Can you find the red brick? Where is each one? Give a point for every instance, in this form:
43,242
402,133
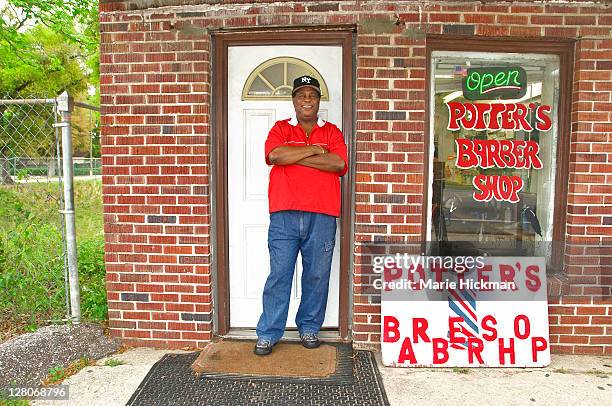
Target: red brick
601,320
525,31
588,330
605,340
199,335
526,9
591,310
512,19
580,20
563,32
573,339
136,315
444,17
575,320
561,330
588,350
190,326
492,30
562,309
561,349
180,307
479,18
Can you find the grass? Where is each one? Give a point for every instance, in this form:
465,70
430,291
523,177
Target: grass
12,402
58,374
31,263
461,370
113,362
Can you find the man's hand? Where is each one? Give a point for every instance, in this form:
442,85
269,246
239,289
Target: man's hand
313,156
287,155
328,162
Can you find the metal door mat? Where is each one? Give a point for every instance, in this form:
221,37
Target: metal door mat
171,381
236,357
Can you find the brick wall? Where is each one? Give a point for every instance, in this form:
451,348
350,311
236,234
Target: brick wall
155,85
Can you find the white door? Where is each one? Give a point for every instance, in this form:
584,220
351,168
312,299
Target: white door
248,124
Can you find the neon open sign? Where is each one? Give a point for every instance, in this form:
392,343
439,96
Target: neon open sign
495,83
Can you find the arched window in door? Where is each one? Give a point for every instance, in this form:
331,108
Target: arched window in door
273,79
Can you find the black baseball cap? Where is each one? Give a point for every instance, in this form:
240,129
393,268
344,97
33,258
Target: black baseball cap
305,81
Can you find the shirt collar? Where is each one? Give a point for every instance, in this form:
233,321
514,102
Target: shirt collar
294,121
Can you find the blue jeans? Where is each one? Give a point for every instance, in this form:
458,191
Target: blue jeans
314,235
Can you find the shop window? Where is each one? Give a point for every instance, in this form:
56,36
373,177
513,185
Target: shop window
493,152
273,79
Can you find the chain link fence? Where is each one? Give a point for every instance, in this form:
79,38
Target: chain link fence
36,193
32,169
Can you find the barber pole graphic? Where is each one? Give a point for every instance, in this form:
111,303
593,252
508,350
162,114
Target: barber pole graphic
462,305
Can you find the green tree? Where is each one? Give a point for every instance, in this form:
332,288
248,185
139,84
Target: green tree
47,46
45,65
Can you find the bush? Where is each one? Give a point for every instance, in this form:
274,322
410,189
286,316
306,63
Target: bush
92,278
32,287
31,265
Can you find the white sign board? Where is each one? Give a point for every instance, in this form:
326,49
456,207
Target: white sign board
493,313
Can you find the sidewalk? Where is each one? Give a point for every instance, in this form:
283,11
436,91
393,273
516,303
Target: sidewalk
569,380
102,385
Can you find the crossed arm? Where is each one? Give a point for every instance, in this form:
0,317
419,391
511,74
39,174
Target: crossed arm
313,156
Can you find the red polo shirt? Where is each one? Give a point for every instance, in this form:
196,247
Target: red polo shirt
298,187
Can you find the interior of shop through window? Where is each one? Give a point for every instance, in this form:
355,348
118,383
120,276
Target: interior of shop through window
492,155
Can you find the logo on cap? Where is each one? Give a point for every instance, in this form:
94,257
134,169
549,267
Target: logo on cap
303,81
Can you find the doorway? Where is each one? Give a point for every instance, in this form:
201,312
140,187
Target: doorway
254,74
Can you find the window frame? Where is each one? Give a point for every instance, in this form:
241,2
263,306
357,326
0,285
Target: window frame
564,49
287,81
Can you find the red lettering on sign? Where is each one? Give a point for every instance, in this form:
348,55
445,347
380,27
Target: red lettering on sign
496,110
488,324
532,279
481,110
544,122
474,349
537,344
506,117
503,351
466,158
526,327
406,353
530,155
507,154
412,270
419,330
498,187
483,278
497,153
520,115
507,274
453,329
456,111
391,273
440,351
471,116
391,332
495,116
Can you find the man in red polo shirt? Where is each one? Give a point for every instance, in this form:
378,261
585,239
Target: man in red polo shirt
309,156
